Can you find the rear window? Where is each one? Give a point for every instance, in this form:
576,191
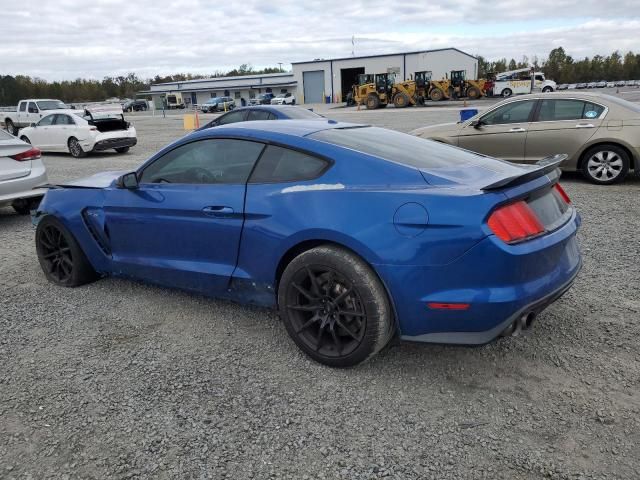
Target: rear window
405,149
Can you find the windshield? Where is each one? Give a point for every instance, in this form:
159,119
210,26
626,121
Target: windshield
213,100
406,149
282,95
51,105
297,113
262,95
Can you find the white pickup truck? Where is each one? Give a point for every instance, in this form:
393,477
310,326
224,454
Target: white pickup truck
31,111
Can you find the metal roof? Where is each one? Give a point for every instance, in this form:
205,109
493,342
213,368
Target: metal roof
386,55
226,79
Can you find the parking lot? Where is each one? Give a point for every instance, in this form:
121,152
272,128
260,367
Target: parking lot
117,379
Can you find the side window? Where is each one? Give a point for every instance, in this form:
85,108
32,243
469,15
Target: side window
232,117
258,115
540,78
63,120
515,112
23,106
33,108
557,110
208,161
279,164
46,121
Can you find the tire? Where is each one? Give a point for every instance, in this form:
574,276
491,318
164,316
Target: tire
473,93
293,102
373,102
23,206
25,139
605,164
122,149
11,128
420,100
61,258
436,95
317,290
506,93
401,100
547,90
75,149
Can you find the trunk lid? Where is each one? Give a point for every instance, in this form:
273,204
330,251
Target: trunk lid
10,168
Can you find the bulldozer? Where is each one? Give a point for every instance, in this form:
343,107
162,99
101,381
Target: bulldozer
457,86
377,91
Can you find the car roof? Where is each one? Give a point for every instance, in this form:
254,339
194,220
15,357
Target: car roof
298,128
579,95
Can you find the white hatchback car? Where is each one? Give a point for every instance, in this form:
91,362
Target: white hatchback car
21,174
101,128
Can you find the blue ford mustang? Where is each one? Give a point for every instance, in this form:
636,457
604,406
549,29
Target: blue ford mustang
355,233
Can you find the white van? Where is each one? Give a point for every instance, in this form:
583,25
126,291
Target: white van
518,82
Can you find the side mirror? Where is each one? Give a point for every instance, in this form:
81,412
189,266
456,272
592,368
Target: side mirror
476,123
33,125
128,181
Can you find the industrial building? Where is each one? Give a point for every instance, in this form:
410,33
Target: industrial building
199,91
333,78
321,80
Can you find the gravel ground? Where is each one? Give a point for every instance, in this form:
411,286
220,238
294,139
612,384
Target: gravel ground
122,380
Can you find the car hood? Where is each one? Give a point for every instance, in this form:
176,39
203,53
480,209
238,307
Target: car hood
99,180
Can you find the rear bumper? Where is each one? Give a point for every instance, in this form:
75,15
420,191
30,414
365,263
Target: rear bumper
499,282
24,187
110,143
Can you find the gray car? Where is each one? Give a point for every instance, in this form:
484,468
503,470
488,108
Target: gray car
599,133
218,104
21,173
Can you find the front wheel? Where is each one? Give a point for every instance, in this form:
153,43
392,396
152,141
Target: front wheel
122,149
547,90
25,139
75,149
334,307
605,164
293,102
61,258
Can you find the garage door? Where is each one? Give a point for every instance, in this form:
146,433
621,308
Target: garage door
313,83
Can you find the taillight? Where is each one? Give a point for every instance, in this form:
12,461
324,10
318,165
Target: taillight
32,154
562,193
515,222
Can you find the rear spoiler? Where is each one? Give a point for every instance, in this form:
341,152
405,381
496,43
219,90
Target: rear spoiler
546,166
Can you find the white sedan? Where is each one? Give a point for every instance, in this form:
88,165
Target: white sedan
99,129
284,99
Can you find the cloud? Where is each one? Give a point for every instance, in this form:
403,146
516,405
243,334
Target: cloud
66,39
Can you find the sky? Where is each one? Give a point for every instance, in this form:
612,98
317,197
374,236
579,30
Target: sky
68,39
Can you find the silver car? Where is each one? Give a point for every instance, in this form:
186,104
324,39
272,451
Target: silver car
21,173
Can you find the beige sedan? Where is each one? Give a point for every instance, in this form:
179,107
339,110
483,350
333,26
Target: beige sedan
599,133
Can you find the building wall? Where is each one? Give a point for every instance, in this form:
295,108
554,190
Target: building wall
439,62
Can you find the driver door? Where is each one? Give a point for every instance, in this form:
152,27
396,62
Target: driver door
502,133
181,226
41,135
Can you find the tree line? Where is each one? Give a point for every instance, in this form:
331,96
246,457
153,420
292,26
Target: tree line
565,69
16,88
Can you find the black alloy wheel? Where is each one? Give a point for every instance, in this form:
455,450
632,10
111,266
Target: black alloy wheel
326,311
55,254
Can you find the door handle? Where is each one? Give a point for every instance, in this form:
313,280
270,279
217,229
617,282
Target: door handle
517,129
217,211
584,125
